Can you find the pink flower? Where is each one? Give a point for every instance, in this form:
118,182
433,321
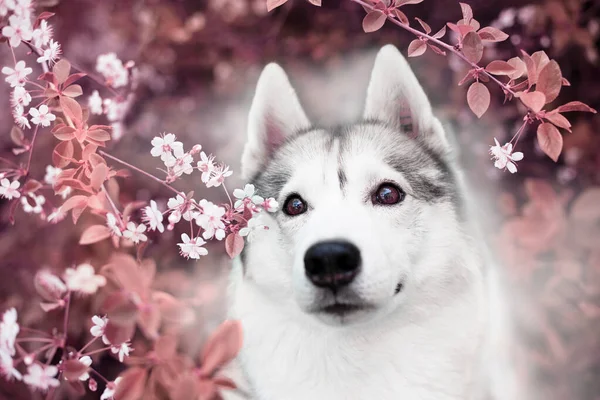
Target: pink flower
20,118
254,224
112,69
9,329
83,279
51,174
41,377
36,207
211,220
164,146
181,205
270,204
6,6
51,53
192,248
42,35
9,189
7,368
123,350
87,361
246,193
219,176
110,390
99,326
135,233
111,222
42,116
18,75
18,29
206,166
153,217
95,103
21,96
504,157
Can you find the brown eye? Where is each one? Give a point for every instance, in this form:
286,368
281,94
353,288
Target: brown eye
388,194
294,205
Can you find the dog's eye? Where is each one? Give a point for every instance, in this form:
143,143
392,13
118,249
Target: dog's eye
294,205
388,194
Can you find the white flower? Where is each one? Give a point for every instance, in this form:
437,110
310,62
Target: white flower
41,377
504,157
99,326
181,205
56,216
95,103
17,30
6,6
51,174
42,115
51,53
270,204
254,224
211,220
87,361
219,176
206,166
248,192
110,390
112,69
182,163
36,207
18,75
42,35
116,110
83,279
192,248
9,189
7,368
111,222
20,118
123,350
21,96
164,146
153,217
9,329
135,233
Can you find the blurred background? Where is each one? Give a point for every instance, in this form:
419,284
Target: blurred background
198,62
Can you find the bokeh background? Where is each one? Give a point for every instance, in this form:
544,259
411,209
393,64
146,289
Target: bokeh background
198,62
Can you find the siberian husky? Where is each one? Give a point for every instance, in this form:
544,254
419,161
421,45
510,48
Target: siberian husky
369,282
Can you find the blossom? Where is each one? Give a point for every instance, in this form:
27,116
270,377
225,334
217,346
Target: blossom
41,376
111,222
42,35
192,248
182,164
51,174
7,368
51,53
9,189
110,390
135,233
180,204
18,29
83,279
116,110
99,327
219,176
270,204
18,75
210,220
206,166
87,361
504,157
6,6
246,193
56,216
38,202
9,329
95,103
123,350
41,115
153,217
20,118
164,146
254,224
112,69
20,96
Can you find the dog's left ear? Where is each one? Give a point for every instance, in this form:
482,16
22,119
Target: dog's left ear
275,115
395,97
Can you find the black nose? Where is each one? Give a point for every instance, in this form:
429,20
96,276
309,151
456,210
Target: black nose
332,264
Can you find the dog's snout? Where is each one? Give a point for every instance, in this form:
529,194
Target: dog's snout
332,264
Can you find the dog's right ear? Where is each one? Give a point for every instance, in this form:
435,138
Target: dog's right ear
275,114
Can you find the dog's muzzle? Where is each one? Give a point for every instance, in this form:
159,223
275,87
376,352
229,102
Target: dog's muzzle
332,264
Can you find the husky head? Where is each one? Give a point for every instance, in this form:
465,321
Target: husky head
369,216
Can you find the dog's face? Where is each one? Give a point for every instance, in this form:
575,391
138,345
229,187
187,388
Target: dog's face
369,213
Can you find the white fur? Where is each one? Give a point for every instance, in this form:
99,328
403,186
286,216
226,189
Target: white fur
420,344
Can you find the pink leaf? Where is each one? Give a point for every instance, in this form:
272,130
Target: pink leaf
490,34
71,109
272,4
534,100
575,106
472,47
467,12
550,140
74,78
550,81
98,176
478,98
73,369
315,2
424,25
404,2
95,233
401,16
498,67
436,49
74,202
531,68
234,244
519,66
417,48
221,347
559,120
62,154
440,34
373,21
541,59
61,70
132,384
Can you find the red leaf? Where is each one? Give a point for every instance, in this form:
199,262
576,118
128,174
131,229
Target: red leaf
132,384
559,120
234,244
373,21
401,16
424,25
61,70
500,68
490,34
534,100
550,140
467,12
221,347
550,81
472,47
42,16
71,109
62,154
478,98
575,106
74,78
95,233
417,48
